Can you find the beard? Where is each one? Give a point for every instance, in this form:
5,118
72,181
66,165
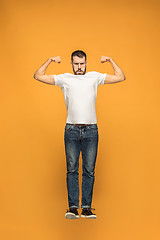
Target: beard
79,73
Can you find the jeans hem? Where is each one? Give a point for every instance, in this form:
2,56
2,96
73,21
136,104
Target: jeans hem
86,206
74,207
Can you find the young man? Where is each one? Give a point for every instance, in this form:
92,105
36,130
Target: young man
81,130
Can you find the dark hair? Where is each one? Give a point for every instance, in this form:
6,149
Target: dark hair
78,53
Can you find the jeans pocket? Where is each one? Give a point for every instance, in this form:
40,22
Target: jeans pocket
93,127
68,128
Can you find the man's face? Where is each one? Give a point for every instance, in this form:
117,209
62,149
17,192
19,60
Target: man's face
79,65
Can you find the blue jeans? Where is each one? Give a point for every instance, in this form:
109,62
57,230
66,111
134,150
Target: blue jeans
85,139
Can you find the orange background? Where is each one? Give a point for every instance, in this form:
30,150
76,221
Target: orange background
33,187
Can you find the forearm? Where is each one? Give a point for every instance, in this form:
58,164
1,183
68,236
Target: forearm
117,70
41,71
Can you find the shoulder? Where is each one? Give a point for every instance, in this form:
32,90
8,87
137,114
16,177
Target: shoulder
98,74
92,74
68,75
63,75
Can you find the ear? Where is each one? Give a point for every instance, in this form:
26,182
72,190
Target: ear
86,62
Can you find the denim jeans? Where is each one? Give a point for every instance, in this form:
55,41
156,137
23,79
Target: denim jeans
84,139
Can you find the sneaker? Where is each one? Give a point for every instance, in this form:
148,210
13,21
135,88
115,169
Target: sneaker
87,213
72,213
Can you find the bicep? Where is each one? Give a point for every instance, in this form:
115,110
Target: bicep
49,79
112,79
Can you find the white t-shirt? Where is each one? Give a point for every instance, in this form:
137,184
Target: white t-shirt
80,93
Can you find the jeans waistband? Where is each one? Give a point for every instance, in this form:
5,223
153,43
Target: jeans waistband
81,125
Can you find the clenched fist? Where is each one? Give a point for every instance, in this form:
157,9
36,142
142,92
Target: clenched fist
56,59
105,59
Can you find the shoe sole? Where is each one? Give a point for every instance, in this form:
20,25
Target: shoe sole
71,216
90,216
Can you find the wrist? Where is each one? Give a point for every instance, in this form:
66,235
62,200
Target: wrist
111,60
50,60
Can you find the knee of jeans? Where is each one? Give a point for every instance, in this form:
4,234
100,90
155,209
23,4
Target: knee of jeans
89,171
72,168
72,171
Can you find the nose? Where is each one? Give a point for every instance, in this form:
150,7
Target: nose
79,66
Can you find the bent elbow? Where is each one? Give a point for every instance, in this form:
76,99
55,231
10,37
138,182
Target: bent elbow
34,76
124,78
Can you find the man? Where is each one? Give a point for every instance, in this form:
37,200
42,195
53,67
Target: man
81,130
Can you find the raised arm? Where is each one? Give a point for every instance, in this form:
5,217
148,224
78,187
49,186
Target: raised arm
118,74
40,73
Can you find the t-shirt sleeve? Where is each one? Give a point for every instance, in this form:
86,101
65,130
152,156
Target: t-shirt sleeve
59,80
100,78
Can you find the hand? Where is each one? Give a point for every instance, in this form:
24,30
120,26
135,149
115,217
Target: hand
105,59
56,59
